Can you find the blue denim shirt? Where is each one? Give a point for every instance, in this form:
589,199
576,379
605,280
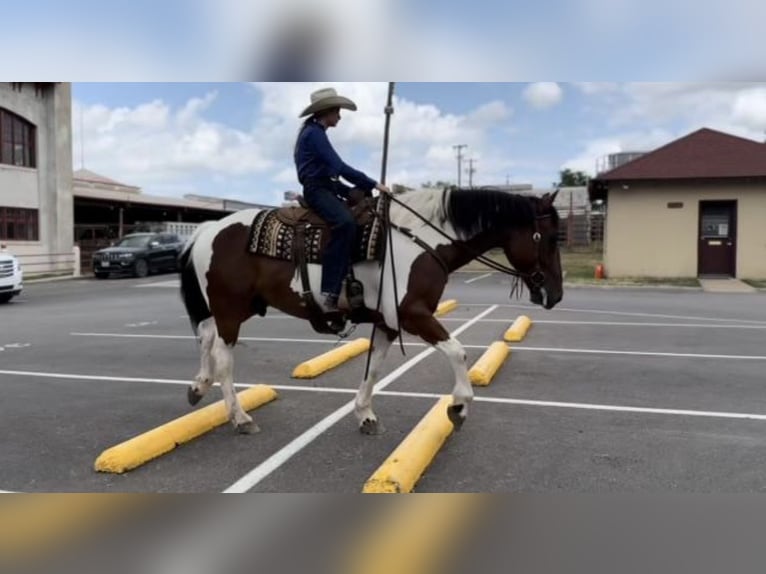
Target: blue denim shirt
316,158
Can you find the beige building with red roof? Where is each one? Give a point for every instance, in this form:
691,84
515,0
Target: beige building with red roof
695,207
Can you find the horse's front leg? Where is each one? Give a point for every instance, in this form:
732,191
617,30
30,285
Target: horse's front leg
368,422
423,324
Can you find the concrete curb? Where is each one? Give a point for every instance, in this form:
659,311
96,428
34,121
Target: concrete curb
518,329
445,307
483,371
403,468
331,359
161,440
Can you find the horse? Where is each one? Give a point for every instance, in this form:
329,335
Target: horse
432,233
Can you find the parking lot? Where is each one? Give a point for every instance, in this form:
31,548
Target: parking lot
615,390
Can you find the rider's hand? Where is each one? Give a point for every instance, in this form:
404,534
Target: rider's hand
383,189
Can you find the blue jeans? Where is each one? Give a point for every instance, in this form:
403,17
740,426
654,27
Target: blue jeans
335,212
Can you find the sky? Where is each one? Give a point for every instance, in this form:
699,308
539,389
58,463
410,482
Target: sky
235,140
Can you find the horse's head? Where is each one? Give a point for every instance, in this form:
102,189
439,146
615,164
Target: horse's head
534,252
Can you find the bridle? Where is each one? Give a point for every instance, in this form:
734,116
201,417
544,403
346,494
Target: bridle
535,278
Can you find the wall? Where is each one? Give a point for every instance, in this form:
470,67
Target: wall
645,238
47,188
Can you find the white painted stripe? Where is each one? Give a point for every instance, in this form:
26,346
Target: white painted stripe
626,324
169,283
638,353
415,344
407,394
260,472
629,314
480,277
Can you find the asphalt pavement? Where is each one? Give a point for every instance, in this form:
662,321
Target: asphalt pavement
615,390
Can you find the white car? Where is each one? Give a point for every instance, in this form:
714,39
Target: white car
11,277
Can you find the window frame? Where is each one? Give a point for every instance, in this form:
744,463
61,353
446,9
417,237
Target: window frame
22,221
18,140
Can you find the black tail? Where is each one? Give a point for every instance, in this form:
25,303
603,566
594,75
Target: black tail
191,293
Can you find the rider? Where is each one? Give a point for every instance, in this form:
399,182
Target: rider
319,167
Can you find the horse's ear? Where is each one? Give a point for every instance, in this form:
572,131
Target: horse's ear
548,199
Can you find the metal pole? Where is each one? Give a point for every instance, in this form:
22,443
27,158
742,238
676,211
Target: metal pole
389,110
459,160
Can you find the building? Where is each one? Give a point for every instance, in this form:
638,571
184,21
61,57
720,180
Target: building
694,207
106,209
36,213
46,209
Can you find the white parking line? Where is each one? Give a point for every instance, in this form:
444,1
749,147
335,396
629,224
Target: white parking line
415,344
407,394
630,314
260,472
480,277
170,283
638,353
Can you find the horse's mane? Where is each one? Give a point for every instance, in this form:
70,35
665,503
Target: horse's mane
470,211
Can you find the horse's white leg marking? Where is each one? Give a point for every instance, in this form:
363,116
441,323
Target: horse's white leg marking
363,404
223,359
462,393
206,376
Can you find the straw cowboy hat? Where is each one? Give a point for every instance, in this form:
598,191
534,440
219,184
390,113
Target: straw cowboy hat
325,99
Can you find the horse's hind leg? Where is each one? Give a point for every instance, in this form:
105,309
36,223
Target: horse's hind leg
223,359
368,422
205,378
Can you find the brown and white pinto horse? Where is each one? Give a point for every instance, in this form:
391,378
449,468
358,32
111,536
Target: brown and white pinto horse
223,284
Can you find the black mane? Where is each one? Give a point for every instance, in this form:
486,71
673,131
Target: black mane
472,211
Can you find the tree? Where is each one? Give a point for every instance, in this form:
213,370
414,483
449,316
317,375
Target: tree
569,178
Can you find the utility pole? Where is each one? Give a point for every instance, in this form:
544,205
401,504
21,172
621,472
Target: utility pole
471,171
459,149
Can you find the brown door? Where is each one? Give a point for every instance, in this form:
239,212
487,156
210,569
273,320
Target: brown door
718,238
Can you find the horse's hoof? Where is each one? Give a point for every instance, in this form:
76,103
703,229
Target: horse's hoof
192,396
454,413
371,427
248,428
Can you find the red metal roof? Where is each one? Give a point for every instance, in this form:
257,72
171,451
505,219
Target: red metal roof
702,154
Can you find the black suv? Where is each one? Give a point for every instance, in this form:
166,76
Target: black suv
139,254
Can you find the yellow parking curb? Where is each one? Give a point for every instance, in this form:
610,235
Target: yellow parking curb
518,329
490,362
404,467
331,359
445,307
161,440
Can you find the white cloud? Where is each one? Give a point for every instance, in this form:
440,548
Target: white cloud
749,108
175,149
543,94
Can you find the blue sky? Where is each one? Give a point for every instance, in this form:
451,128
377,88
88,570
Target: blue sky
234,139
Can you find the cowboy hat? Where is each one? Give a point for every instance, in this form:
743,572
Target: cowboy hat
325,99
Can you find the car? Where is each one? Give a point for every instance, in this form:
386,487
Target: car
139,254
11,276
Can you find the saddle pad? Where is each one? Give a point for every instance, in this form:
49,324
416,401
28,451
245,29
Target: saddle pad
272,238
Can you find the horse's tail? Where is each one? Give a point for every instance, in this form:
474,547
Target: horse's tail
191,292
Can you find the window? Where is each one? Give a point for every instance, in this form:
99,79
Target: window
18,224
17,140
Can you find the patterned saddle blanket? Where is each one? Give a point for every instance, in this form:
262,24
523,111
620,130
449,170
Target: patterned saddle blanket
272,234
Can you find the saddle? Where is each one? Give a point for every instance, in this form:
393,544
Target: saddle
363,211
299,235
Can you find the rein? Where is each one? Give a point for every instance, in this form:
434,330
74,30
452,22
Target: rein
536,277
